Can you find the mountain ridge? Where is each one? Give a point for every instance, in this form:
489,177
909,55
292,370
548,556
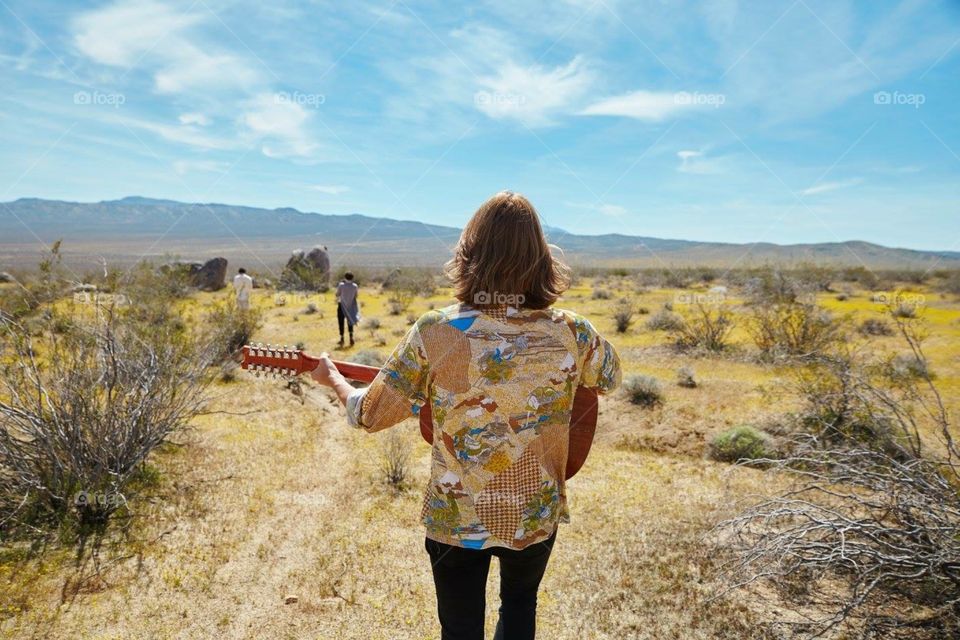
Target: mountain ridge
167,226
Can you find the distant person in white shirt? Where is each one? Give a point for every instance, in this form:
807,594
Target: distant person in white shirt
347,307
243,285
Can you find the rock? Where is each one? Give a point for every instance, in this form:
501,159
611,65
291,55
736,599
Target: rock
6,277
319,259
307,271
392,279
210,276
290,599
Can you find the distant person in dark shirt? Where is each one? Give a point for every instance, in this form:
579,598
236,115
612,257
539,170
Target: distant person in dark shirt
347,307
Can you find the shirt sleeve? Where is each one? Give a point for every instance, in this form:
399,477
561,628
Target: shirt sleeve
398,391
601,363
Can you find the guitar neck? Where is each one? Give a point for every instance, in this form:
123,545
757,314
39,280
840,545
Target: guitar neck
358,372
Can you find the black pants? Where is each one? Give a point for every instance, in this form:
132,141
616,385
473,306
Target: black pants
460,576
341,316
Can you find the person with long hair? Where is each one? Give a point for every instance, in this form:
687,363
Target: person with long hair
499,370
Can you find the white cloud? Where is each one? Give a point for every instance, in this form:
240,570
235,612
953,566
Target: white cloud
697,162
824,187
279,124
533,94
330,189
168,45
641,105
120,34
194,118
158,38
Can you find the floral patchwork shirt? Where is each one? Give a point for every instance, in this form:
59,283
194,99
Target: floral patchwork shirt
500,386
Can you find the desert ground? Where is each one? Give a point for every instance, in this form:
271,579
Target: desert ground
272,518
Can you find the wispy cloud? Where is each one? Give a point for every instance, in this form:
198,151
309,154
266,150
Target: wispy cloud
120,34
698,162
330,189
825,187
167,43
641,105
194,118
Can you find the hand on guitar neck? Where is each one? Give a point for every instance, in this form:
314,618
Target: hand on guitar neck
332,373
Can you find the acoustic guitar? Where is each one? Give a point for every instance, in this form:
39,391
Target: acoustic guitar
281,361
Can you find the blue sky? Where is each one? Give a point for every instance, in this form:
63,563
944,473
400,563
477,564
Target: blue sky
771,120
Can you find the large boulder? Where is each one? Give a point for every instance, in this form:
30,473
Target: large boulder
209,276
307,270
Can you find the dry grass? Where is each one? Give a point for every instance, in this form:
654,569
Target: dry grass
289,501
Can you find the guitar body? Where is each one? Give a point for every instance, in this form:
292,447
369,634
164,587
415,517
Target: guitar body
583,415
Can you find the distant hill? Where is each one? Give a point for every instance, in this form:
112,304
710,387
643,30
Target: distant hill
123,231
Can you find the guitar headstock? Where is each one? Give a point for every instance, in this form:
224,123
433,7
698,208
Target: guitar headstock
276,360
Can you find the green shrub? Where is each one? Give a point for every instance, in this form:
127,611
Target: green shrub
739,443
75,430
905,310
686,377
907,365
601,294
875,327
644,391
705,328
623,317
795,330
230,328
665,320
